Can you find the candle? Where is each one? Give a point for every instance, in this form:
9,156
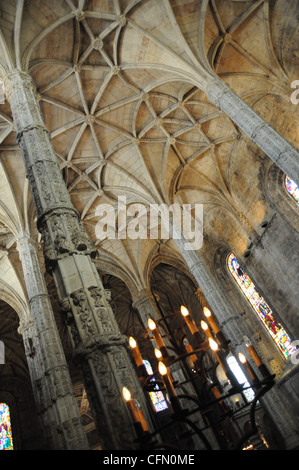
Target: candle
261,366
206,329
213,324
131,405
137,415
190,350
156,333
158,353
249,371
136,353
163,370
158,338
254,355
191,325
213,345
208,315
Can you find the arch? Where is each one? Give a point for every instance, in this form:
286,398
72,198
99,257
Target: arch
166,257
106,264
13,299
261,307
279,197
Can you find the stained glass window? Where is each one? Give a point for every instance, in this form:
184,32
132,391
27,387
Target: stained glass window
5,428
292,188
157,398
262,309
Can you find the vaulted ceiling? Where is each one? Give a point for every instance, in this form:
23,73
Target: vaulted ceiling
120,88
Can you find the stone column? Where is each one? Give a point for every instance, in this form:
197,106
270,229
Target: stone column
52,386
231,325
99,347
281,152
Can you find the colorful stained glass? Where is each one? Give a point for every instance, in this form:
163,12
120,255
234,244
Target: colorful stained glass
292,188
261,307
157,398
5,428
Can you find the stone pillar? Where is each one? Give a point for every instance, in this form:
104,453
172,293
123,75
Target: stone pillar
52,386
99,347
281,152
231,325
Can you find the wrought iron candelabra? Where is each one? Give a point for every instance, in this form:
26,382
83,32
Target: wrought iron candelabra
208,397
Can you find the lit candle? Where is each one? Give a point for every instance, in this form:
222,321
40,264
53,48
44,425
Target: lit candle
163,370
213,345
206,329
191,324
213,324
158,338
208,315
158,353
249,371
137,415
136,353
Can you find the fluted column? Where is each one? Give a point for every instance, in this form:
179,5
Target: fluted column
99,347
281,152
233,329
52,386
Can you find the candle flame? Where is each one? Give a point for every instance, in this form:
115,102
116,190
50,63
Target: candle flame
126,394
151,324
162,368
132,342
213,344
158,353
207,312
184,311
242,358
204,325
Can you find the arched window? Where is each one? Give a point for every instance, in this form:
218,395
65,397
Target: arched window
292,188
5,428
262,309
238,373
157,398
